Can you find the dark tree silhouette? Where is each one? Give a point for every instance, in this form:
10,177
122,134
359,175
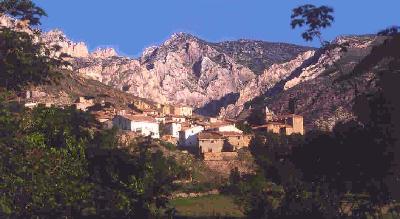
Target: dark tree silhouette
315,18
23,59
24,10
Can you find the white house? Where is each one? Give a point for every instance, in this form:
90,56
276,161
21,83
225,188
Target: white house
173,128
188,136
145,125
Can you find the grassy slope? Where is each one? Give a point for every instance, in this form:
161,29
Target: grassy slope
207,206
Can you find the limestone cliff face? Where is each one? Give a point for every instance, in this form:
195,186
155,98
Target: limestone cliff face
58,38
215,78
184,70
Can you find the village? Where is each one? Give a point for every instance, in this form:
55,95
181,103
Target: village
209,138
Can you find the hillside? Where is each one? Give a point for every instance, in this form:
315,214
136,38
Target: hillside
184,69
234,79
65,90
259,55
321,94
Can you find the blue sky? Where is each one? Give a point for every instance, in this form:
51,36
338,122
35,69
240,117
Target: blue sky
132,25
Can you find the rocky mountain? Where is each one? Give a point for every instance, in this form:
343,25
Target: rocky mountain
64,89
188,70
323,88
235,79
259,55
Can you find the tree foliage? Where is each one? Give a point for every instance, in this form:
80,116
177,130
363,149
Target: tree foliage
53,165
24,10
315,18
24,59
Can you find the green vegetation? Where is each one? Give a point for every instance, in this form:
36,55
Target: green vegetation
356,163
207,206
23,59
55,164
58,163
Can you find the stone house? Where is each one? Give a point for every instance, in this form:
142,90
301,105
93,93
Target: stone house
188,136
283,124
186,111
210,142
214,146
164,109
236,140
141,104
145,125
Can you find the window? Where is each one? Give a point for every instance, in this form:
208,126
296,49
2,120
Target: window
212,141
238,137
210,150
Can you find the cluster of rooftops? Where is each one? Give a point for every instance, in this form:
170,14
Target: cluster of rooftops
212,138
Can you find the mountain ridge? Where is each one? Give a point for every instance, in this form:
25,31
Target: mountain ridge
183,70
221,78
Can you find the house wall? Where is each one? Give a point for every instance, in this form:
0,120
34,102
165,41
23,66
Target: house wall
121,123
274,128
146,128
188,137
211,145
182,111
229,128
298,126
239,141
294,126
166,109
174,129
187,111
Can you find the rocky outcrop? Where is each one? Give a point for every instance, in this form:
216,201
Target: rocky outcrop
259,55
187,70
57,38
321,92
103,53
264,82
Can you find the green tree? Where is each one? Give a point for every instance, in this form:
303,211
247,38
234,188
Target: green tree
24,59
24,10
